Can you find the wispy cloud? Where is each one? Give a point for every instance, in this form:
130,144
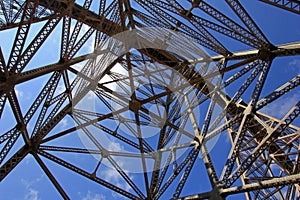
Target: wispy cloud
280,107
28,160
295,65
31,194
79,66
93,196
19,93
295,62
114,146
60,88
23,94
110,174
64,123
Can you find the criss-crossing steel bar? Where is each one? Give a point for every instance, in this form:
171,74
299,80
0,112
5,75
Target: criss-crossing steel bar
160,84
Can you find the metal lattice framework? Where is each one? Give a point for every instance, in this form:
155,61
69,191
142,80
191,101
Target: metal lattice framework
264,157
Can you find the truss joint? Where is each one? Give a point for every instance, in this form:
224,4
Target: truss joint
267,54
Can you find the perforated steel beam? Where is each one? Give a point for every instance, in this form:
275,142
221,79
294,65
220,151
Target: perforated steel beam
289,5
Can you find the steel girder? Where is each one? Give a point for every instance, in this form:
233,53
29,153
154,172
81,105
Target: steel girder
243,114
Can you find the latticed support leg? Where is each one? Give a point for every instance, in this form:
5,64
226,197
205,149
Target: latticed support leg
160,84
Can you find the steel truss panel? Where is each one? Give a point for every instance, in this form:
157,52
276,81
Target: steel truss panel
264,156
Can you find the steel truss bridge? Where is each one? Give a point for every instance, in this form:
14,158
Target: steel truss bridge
262,160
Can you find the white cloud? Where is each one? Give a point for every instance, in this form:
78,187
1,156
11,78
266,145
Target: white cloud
280,107
64,123
28,159
91,196
110,174
114,146
91,45
295,62
28,184
60,88
32,195
19,93
113,177
295,65
79,66
117,69
23,95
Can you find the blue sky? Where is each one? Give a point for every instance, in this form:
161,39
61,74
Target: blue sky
27,181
